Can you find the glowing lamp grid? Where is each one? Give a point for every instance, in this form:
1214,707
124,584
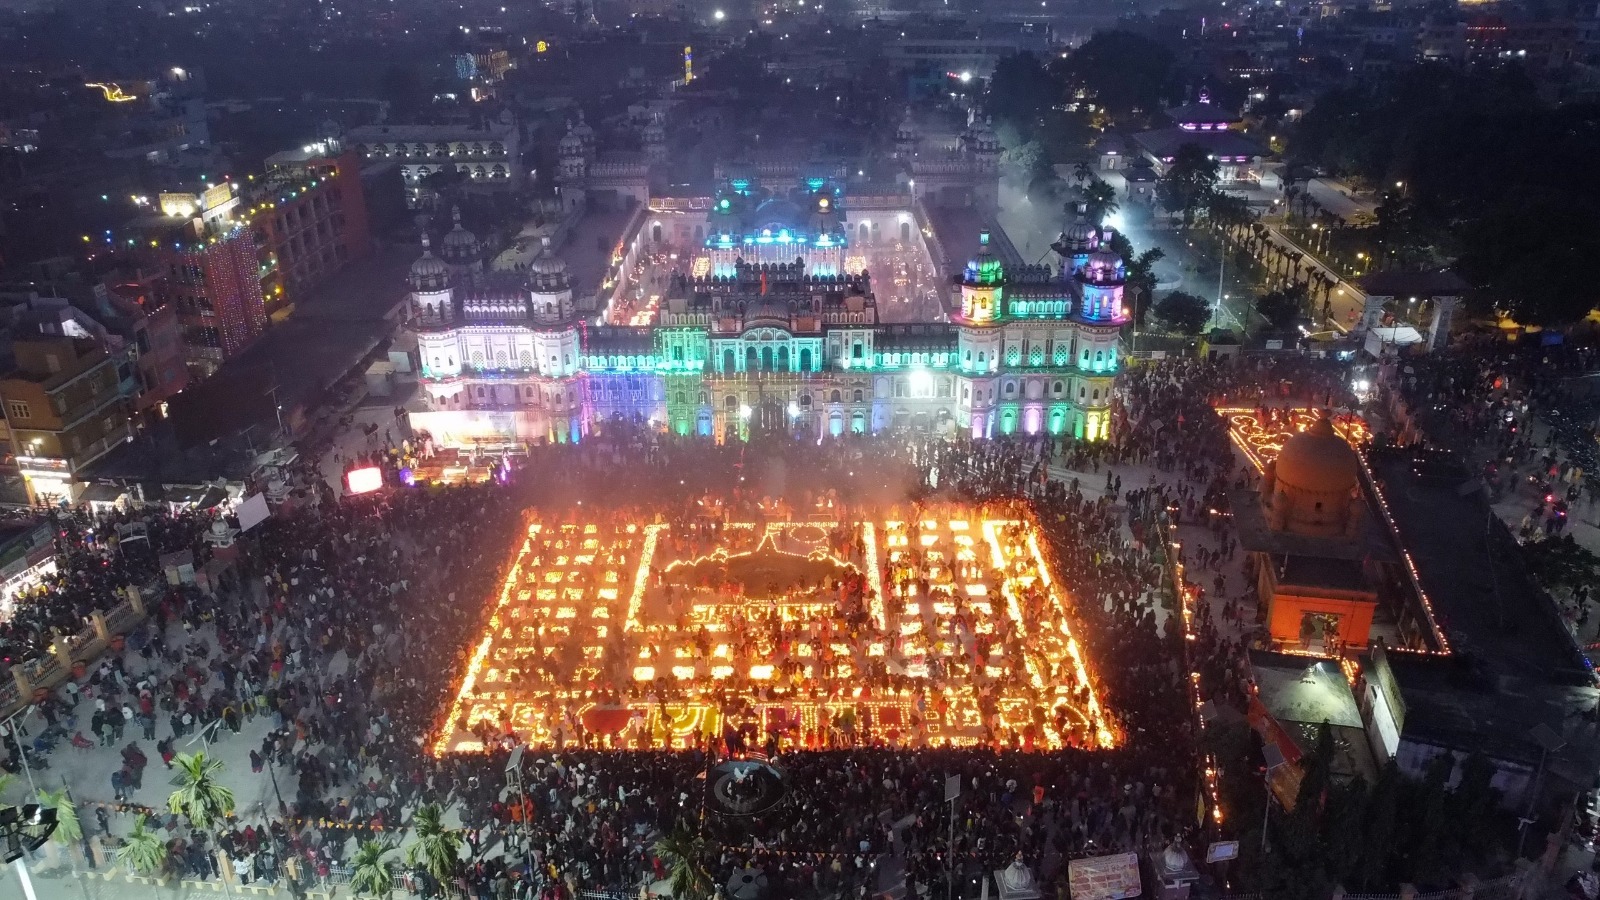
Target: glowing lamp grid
583,607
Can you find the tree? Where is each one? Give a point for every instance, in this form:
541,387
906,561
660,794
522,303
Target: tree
402,88
1190,181
1100,200
1124,73
199,797
1021,90
437,849
369,871
1541,272
1082,173
1561,563
1281,308
68,829
1139,277
1184,313
1027,159
1228,211
143,851
683,853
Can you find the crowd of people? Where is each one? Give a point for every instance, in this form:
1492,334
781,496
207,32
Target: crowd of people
350,622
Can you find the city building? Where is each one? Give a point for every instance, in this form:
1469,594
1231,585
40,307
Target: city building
63,405
1210,128
205,248
486,154
311,213
1538,44
966,173
161,120
962,51
779,332
150,324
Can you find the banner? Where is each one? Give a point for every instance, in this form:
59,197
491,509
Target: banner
1104,877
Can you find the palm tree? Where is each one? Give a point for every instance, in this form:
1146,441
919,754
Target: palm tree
1100,201
69,830
200,797
369,872
682,851
437,849
143,851
1081,172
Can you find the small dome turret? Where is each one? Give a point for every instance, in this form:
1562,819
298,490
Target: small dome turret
983,269
1103,267
584,133
655,133
460,246
571,144
429,272
907,130
548,271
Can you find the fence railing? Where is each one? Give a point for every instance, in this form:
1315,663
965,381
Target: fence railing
55,667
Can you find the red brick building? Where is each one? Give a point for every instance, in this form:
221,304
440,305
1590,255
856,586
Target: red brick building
311,213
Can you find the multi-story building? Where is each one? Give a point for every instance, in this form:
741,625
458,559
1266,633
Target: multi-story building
760,344
311,213
150,325
64,408
486,155
1538,44
206,251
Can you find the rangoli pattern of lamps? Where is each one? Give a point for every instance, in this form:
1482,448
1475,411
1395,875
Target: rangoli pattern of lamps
961,637
1263,439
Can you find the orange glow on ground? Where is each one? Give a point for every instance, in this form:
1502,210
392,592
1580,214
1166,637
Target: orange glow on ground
1262,441
644,638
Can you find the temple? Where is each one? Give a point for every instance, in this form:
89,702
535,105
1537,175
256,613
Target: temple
773,327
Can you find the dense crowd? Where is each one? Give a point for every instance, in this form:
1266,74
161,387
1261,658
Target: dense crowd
334,622
94,564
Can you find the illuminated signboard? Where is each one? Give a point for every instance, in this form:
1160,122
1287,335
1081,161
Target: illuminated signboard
363,481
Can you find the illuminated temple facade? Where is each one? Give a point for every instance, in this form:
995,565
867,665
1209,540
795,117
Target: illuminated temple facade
781,333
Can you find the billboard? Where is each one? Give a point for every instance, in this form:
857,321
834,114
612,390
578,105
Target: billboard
1113,877
253,512
364,480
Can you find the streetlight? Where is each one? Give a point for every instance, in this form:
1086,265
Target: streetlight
23,830
10,728
514,776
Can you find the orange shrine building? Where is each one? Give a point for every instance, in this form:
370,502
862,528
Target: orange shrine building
1322,565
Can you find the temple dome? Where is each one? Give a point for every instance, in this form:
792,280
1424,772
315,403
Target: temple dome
428,271
548,263
1318,461
459,245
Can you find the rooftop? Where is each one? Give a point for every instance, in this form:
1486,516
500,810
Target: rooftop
1298,688
1455,702
1471,570
1163,143
1254,534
